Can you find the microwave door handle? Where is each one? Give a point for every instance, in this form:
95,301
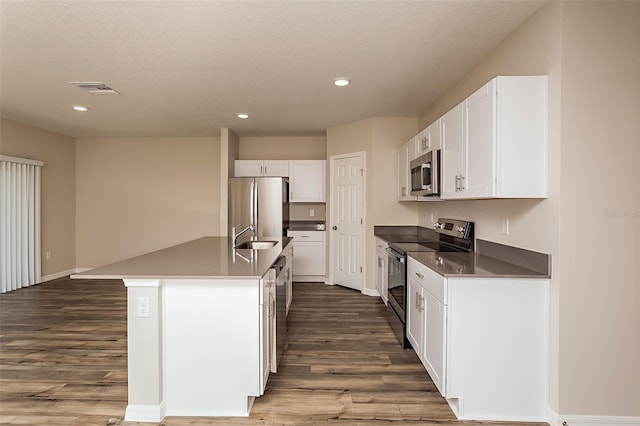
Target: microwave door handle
426,168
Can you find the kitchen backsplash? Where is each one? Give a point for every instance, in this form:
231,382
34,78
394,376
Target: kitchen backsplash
307,211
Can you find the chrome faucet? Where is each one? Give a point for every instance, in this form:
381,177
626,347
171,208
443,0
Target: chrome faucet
235,235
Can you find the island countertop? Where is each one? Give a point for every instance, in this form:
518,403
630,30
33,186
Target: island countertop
204,258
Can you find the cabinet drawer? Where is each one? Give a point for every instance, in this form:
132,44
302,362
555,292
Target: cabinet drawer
306,235
428,279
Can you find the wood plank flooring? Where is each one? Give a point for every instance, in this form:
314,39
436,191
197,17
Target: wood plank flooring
63,362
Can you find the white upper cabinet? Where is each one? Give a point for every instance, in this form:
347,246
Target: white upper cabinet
453,155
495,142
429,139
307,181
422,142
406,153
261,168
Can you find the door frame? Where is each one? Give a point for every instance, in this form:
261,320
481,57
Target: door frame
363,200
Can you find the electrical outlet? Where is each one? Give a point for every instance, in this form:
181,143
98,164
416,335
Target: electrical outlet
505,226
312,213
47,255
143,307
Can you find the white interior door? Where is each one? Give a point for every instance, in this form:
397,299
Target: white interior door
347,237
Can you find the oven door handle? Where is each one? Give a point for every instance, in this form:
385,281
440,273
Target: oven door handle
395,254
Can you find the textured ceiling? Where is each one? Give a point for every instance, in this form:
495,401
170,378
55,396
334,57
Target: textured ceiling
185,68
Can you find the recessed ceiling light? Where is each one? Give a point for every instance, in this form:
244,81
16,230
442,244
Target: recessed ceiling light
243,115
341,82
80,108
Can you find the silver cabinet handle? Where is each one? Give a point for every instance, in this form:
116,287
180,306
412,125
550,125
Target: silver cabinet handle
265,170
417,302
419,275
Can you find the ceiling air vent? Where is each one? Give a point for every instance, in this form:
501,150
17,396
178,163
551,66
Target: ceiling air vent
97,88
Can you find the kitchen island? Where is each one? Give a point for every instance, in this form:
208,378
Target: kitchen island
197,328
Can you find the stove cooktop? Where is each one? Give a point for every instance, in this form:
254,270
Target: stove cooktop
433,246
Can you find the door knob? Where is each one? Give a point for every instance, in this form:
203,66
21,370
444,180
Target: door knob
335,228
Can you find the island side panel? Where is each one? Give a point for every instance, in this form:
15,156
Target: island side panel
144,347
212,346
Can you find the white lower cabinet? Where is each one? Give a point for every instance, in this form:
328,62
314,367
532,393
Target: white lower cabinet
288,252
426,321
308,255
382,283
482,341
415,317
268,327
435,341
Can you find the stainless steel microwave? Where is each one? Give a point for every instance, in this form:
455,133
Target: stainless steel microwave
425,174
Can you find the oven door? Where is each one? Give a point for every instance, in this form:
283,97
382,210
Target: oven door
396,274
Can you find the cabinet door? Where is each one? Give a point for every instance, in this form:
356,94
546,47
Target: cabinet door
275,168
453,158
289,275
415,319
266,348
307,181
480,108
435,340
381,276
406,153
403,172
422,142
435,135
309,256
248,168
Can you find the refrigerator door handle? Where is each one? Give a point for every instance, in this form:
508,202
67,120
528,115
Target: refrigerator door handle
254,208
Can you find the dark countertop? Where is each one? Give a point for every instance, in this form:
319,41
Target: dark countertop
404,234
473,265
491,260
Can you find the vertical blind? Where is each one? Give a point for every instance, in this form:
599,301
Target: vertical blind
19,222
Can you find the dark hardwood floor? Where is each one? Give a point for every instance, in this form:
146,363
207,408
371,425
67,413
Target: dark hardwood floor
63,362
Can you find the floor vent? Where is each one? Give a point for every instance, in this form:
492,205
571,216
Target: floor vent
97,88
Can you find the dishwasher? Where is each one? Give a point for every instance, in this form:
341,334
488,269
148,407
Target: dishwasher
280,267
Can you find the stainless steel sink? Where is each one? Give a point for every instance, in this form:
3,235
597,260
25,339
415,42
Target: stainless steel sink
257,245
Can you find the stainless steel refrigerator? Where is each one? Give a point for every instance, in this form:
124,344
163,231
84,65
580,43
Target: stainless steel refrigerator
263,203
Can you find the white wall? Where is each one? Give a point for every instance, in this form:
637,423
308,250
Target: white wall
58,218
379,138
599,278
136,195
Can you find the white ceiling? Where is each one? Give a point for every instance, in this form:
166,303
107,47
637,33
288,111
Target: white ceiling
185,68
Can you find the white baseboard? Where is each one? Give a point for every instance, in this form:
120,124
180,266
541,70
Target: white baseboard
59,275
556,419
308,278
564,420
145,413
370,292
